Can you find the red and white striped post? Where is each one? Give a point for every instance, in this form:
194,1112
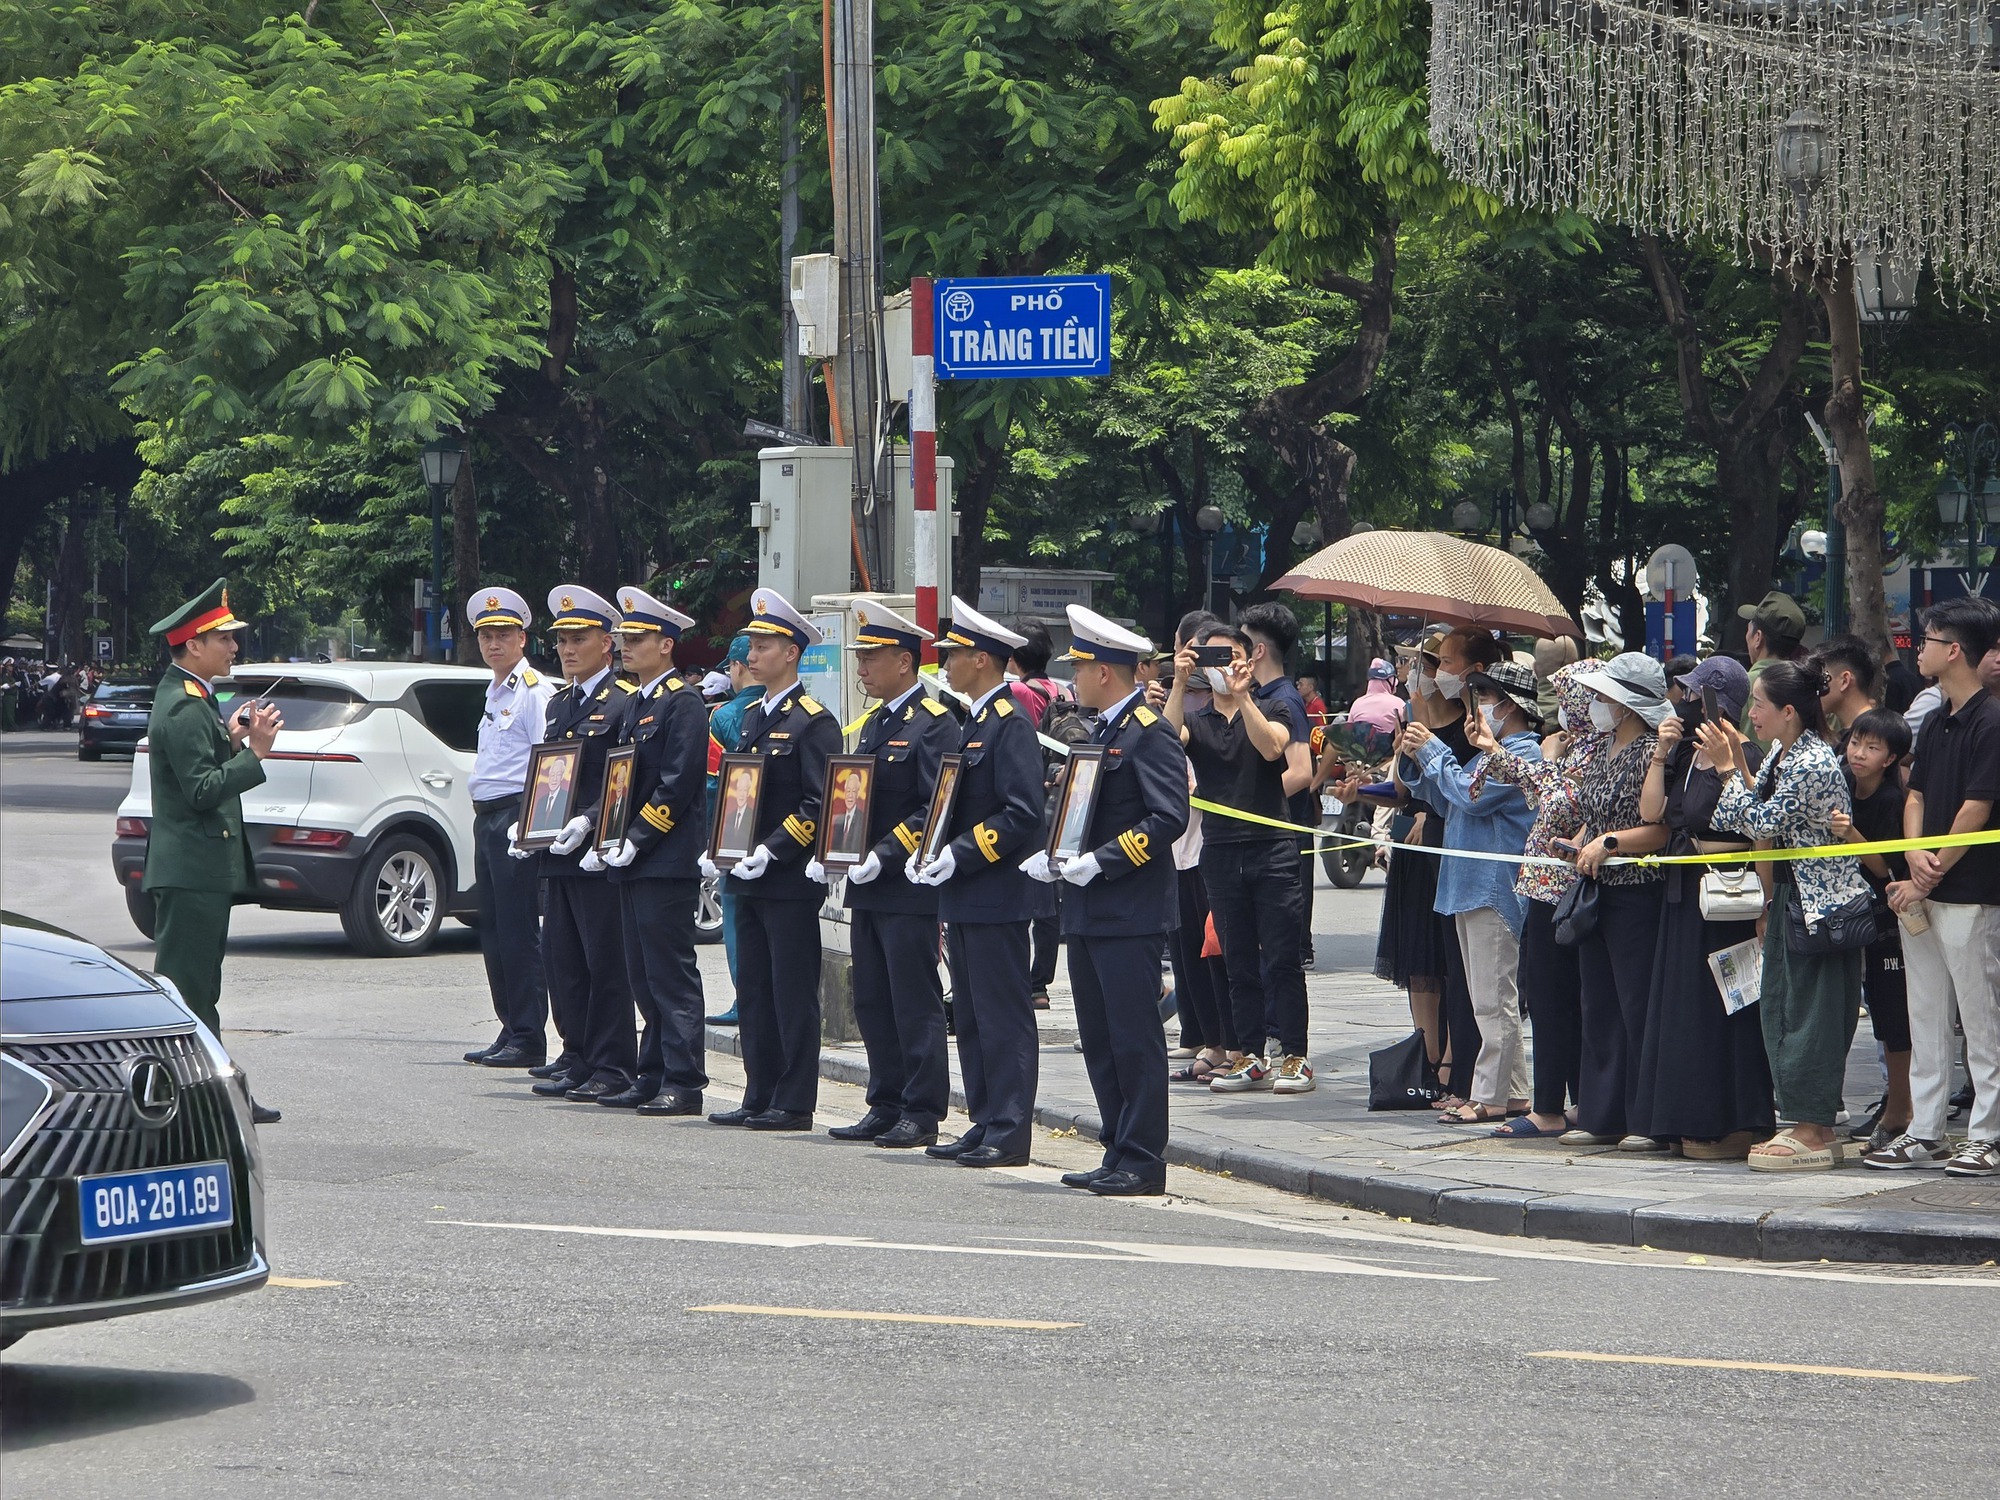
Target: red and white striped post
923,454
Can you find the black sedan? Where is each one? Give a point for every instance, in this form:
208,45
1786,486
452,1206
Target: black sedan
113,719
132,1175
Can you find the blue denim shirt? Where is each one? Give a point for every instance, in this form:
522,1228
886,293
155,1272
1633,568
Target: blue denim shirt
1497,823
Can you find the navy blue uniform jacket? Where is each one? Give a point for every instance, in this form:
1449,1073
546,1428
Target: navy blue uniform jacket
668,730
593,718
795,746
907,746
1142,807
996,820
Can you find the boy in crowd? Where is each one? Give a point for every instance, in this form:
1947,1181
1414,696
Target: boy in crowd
1877,741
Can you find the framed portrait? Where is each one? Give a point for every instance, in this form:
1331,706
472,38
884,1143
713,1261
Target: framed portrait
739,783
1083,777
937,822
616,810
843,811
549,799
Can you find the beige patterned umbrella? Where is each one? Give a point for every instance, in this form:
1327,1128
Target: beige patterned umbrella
1435,575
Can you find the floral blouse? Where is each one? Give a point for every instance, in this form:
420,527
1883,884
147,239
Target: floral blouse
1797,793
1608,797
1550,786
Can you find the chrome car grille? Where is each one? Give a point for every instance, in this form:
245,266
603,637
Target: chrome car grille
94,1129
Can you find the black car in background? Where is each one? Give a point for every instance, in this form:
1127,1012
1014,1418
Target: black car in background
130,1174
113,719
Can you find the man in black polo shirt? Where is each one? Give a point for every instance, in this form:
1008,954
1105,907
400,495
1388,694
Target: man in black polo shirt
1272,631
1238,748
1955,962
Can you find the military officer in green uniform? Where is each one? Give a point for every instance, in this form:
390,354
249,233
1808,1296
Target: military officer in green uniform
197,860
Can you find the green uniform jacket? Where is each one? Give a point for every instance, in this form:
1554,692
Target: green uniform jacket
197,842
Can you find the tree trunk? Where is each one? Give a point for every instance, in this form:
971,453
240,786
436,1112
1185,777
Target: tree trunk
972,502
464,563
1861,509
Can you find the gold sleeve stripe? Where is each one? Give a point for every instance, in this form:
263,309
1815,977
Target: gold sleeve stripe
1134,843
659,817
906,838
801,829
988,840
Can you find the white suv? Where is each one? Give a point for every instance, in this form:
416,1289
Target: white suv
364,809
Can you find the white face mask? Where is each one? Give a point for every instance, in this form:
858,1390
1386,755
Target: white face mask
1562,718
1493,714
1449,684
1603,717
1218,680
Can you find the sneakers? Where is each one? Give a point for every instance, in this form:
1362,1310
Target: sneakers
1295,1076
1975,1159
1247,1073
1906,1152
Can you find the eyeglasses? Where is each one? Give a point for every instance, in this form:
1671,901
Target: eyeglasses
1939,640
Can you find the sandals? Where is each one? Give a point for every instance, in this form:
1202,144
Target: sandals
1480,1114
1521,1128
1792,1155
1201,1070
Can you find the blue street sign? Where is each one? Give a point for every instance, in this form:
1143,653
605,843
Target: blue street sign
1018,327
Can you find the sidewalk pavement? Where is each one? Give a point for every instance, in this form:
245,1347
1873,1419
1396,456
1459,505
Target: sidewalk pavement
1327,1145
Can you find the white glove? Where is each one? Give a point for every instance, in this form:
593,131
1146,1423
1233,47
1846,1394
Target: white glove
912,870
591,863
939,870
753,864
707,868
1081,870
575,831
623,855
1036,867
815,872
514,832
866,871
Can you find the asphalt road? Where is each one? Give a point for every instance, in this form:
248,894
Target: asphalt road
490,1295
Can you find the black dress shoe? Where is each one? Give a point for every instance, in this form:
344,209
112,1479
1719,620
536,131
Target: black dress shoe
512,1057
558,1086
263,1114
552,1069
629,1098
1085,1179
730,1116
673,1102
487,1051
953,1150
779,1119
906,1133
992,1156
875,1122
1127,1185
591,1090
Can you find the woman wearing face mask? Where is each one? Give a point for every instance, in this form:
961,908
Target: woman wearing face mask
1702,1072
1616,960
1809,1002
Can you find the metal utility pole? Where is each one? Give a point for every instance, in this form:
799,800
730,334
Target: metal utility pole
797,415
858,369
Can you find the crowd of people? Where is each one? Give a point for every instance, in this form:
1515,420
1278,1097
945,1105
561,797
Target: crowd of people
38,694
1540,915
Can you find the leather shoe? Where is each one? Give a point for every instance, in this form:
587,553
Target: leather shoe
730,1116
552,1069
992,1156
263,1114
673,1102
1085,1179
559,1085
1127,1185
906,1133
591,1090
511,1057
727,1018
487,1051
867,1128
629,1098
953,1150
779,1119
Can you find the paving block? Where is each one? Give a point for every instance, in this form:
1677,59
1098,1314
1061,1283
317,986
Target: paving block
1490,1210
1594,1218
1880,1234
1700,1227
1401,1195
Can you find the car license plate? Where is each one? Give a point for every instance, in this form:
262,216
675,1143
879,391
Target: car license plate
146,1205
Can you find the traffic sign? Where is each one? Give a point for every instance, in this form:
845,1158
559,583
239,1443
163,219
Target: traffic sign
1021,327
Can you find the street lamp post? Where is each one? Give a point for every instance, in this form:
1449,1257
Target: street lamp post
1208,520
1966,498
441,459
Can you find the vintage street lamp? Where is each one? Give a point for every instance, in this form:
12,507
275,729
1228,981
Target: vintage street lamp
1803,156
441,460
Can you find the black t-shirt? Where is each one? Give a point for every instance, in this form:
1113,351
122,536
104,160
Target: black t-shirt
1880,817
1282,704
1958,761
1228,770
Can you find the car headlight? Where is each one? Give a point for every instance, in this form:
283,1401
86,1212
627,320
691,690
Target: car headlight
218,1055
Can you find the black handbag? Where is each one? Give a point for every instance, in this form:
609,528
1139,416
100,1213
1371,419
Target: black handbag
1400,1076
1576,912
1855,923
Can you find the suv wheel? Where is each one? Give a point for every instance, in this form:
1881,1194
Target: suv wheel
145,916
708,912
397,904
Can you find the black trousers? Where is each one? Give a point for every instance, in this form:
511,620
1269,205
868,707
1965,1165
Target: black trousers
1046,933
1456,1019
1308,868
899,1006
583,945
1253,889
659,959
1551,984
777,1002
510,934
1616,962
1201,985
1116,980
999,1048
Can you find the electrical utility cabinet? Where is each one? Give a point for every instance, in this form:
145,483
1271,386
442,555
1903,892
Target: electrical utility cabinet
803,517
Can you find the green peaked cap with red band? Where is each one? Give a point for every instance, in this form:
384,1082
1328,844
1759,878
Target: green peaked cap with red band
208,610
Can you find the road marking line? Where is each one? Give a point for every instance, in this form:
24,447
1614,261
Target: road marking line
878,1317
1750,1364
302,1283
1118,1251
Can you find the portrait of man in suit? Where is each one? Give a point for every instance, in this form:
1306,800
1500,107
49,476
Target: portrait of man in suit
554,789
736,832
847,792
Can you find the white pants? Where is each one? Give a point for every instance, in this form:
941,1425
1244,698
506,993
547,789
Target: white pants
1492,962
1955,965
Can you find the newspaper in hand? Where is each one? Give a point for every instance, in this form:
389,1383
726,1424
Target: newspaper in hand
1739,973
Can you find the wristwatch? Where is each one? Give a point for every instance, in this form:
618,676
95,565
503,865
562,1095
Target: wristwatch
1610,841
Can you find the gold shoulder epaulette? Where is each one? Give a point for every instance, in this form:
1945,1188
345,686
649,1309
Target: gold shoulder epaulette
1003,706
1146,717
192,690
625,686
809,704
936,707
530,677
